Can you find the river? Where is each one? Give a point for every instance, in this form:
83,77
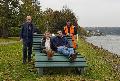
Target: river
108,42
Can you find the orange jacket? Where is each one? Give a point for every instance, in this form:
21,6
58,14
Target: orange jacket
71,30
71,34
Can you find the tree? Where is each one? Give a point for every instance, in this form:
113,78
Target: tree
31,8
7,8
82,31
57,19
14,12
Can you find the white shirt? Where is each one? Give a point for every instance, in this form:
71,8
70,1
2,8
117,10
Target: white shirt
47,44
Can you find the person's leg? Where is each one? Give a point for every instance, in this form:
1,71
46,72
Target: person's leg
71,50
24,52
73,42
59,49
72,53
29,51
65,52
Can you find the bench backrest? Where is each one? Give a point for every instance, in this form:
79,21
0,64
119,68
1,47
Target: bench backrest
37,42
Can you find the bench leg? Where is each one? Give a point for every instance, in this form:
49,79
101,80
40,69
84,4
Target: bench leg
40,71
80,70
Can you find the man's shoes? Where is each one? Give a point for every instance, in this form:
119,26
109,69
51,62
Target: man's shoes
50,54
73,57
29,60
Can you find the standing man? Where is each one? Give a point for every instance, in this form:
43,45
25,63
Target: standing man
70,30
26,36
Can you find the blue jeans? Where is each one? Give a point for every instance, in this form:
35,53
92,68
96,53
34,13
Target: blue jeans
65,51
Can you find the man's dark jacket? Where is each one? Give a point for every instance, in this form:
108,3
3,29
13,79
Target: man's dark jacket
60,41
27,32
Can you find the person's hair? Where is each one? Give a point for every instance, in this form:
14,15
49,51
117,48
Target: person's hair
46,32
29,16
59,31
67,21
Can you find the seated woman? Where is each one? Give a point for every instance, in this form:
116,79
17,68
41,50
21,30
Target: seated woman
46,41
62,45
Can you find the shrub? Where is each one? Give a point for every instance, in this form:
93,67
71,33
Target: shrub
14,31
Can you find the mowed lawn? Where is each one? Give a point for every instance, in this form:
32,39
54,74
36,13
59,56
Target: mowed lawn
100,68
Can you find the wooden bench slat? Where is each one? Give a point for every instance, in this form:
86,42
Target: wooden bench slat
37,48
37,41
34,45
37,53
38,37
60,64
56,59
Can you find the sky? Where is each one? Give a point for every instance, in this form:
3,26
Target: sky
90,13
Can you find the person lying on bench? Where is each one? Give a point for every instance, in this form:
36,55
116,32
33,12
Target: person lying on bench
46,41
62,46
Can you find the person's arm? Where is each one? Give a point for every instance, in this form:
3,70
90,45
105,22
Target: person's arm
54,42
75,30
67,44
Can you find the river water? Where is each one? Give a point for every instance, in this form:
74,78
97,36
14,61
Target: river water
108,42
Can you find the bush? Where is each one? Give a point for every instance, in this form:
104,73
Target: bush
14,31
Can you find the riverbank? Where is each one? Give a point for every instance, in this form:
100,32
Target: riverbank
103,65
108,42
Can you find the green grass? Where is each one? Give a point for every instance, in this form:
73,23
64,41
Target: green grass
11,68
100,66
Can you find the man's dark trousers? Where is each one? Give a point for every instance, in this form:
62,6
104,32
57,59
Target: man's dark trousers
27,51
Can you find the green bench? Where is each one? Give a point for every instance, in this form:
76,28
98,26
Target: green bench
58,60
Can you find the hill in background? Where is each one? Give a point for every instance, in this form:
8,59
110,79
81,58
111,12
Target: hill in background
105,30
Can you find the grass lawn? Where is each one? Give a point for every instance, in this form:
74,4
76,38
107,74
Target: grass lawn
101,66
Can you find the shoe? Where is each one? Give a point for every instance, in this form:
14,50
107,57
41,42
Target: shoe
73,57
29,60
50,54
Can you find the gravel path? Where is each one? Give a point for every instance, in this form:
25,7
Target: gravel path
6,43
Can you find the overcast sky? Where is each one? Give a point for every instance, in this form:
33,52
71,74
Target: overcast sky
89,12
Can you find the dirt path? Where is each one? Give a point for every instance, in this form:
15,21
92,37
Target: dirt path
6,43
